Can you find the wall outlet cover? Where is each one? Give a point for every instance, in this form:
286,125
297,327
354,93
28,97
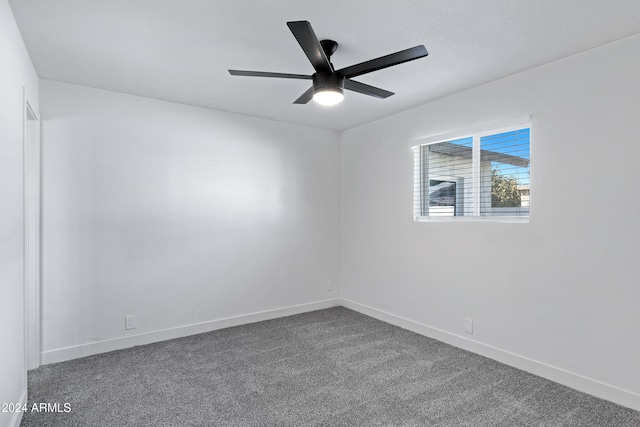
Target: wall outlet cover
468,326
130,322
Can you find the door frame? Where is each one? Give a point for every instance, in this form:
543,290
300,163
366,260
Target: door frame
31,224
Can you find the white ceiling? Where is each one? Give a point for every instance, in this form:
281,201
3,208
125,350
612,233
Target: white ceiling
180,50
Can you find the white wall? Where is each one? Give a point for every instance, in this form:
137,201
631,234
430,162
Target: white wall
16,72
178,215
558,296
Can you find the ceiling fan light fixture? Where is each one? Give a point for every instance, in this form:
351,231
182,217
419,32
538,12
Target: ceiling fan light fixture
328,96
327,88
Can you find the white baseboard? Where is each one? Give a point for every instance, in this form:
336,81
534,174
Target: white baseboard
17,416
89,349
561,376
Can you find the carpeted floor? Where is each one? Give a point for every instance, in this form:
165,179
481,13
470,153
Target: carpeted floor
331,367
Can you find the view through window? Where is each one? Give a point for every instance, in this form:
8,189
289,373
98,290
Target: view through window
484,174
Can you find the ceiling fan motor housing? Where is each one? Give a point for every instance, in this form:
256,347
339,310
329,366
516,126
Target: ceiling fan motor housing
328,81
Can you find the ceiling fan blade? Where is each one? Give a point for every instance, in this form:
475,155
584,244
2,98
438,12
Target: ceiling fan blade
384,61
267,74
366,89
305,97
309,43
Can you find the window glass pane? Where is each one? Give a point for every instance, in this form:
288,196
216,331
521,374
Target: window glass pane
485,174
504,174
449,178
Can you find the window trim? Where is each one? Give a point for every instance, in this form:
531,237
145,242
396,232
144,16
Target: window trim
476,133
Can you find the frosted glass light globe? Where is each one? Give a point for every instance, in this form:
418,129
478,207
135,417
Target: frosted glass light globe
328,97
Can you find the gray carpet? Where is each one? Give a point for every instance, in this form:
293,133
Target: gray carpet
331,367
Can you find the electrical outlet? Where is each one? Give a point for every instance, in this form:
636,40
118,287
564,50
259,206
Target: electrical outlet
468,326
329,285
130,322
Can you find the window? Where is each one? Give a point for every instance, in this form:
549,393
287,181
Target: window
480,173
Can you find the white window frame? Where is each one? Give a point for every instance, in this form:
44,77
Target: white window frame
476,133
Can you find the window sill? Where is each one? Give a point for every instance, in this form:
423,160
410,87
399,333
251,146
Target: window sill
501,219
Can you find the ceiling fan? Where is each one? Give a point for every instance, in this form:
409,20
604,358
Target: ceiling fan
328,83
